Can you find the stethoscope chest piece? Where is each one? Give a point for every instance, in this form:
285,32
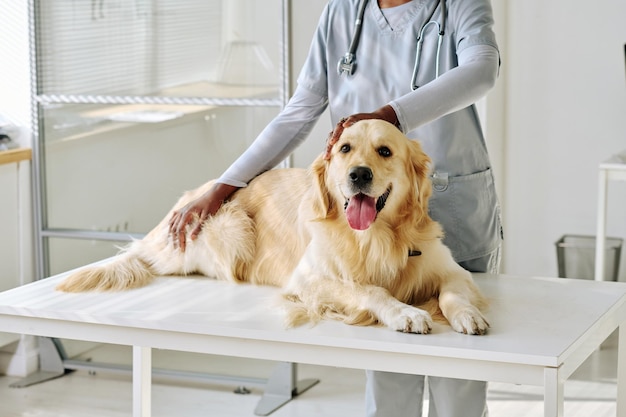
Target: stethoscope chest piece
347,64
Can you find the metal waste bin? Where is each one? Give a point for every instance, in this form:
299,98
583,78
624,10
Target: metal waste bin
576,256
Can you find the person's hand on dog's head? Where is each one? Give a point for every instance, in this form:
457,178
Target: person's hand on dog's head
386,113
335,134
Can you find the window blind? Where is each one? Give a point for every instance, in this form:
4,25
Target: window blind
123,47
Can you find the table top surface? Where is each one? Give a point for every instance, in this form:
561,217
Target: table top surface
534,320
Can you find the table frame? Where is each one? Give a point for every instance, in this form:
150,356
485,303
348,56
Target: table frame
613,169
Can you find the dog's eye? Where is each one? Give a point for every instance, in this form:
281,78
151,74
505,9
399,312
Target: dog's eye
384,151
345,148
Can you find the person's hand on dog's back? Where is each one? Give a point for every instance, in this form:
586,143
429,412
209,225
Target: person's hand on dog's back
197,211
386,113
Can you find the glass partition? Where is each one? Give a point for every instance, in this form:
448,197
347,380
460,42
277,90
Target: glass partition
139,101
120,168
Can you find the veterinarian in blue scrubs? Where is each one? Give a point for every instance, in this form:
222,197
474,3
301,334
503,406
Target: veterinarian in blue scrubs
431,100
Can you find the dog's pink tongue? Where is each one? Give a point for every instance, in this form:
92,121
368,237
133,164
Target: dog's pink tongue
361,212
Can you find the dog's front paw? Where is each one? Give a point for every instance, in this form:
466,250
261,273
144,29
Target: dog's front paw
470,321
411,320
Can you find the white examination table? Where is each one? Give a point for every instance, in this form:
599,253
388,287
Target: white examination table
542,330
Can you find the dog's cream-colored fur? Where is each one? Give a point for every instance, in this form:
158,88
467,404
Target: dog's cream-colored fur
288,228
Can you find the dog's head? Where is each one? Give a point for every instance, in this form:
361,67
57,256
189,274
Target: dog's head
374,173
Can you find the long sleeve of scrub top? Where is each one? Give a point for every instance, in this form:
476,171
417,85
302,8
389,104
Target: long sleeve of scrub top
455,89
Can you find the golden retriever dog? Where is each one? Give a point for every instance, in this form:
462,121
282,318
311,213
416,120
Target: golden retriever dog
349,239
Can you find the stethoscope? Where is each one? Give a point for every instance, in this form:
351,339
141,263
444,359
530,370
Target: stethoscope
347,63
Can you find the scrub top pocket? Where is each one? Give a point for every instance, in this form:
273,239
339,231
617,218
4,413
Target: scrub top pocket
467,208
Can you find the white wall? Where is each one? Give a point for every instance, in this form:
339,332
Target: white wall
15,107
14,70
18,359
565,111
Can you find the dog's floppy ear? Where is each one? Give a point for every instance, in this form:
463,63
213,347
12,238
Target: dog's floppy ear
322,203
420,166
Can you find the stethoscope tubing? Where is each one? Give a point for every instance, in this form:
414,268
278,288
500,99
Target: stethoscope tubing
418,52
441,30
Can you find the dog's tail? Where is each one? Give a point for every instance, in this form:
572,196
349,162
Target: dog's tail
125,271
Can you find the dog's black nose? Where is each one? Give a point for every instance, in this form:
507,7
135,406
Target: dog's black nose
361,176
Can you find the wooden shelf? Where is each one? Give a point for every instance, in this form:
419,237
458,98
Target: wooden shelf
15,155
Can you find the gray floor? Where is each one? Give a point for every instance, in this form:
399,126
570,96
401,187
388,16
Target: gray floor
589,393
